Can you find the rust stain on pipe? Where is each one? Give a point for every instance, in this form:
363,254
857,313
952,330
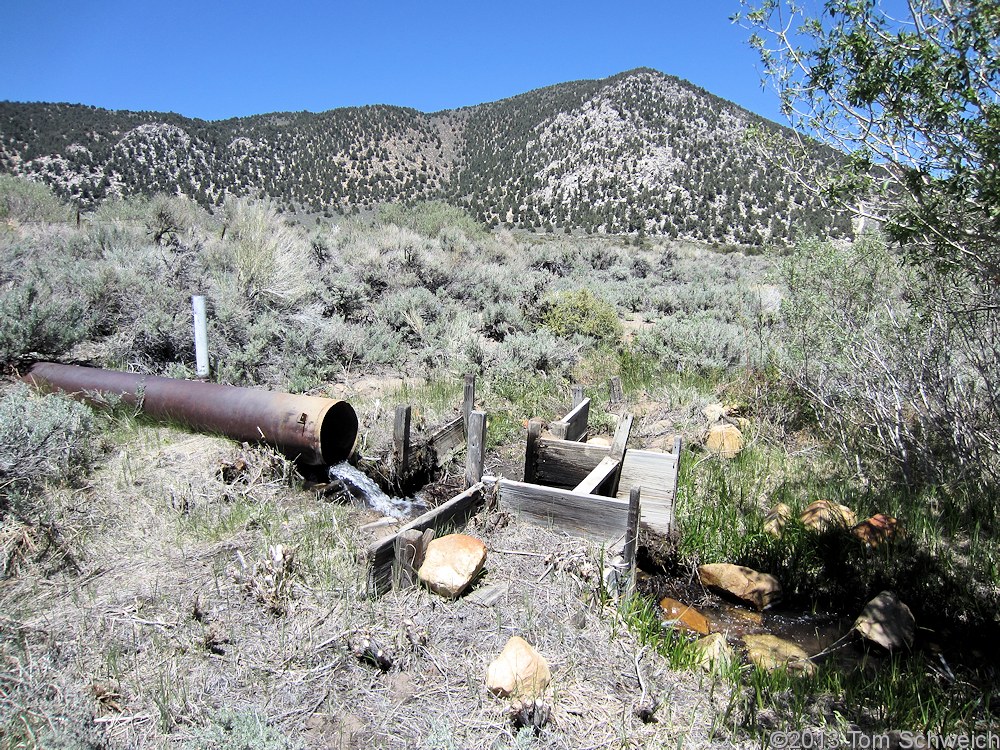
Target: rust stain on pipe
311,429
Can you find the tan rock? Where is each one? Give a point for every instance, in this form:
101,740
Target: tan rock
759,589
519,671
776,519
451,563
685,615
714,652
886,621
824,515
599,440
714,413
877,529
725,440
769,652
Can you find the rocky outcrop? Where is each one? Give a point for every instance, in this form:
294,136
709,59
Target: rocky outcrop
769,652
776,520
824,515
877,530
714,653
724,440
684,616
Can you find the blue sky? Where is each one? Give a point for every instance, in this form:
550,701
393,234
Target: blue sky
214,60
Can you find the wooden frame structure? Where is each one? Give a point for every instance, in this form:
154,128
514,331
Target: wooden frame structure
387,555
600,492
585,488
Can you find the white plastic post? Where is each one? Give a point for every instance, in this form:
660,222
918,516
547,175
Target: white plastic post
200,336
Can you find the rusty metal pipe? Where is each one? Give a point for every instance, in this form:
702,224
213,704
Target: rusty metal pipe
311,429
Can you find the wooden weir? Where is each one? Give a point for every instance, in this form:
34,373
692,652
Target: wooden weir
584,488
603,493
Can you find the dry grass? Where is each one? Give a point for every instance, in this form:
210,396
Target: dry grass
198,600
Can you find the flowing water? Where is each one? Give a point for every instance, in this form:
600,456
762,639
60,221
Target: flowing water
364,489
815,632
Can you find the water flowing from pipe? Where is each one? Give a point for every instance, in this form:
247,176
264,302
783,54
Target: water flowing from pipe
363,488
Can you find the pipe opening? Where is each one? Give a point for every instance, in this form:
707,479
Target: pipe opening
338,432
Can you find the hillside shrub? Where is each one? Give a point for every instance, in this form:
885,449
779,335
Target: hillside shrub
432,218
884,368
273,261
581,313
34,320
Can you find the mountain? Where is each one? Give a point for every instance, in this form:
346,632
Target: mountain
637,153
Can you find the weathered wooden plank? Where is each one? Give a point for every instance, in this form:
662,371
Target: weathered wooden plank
656,474
401,439
622,433
468,399
574,425
448,440
577,395
381,553
601,478
531,449
602,519
564,463
615,395
632,528
475,456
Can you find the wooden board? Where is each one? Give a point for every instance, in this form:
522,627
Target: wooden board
622,433
656,474
381,554
600,480
602,519
565,463
574,425
448,441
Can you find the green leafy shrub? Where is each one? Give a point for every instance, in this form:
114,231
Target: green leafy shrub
431,218
581,313
35,320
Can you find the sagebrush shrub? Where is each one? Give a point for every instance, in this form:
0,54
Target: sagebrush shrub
42,439
25,200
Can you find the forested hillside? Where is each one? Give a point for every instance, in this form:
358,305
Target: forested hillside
638,153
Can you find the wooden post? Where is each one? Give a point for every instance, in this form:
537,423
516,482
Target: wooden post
632,529
476,455
407,551
615,390
401,440
574,425
577,395
469,399
530,450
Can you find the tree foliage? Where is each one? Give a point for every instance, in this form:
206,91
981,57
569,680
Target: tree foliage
914,97
911,91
